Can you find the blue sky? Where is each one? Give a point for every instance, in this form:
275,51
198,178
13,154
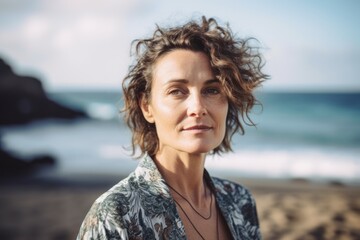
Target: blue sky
85,44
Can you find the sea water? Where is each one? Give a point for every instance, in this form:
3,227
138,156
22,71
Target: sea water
297,135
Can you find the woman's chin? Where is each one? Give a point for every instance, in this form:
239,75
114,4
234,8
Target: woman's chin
199,149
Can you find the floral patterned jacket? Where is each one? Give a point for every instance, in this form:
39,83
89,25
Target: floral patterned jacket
141,207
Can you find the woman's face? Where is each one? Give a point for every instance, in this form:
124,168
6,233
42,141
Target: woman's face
187,103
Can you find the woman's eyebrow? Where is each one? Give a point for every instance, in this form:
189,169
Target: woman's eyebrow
210,81
177,81
207,82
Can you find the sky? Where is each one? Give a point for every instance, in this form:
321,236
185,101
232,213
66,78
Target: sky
85,44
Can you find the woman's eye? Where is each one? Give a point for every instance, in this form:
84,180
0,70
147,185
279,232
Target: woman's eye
176,92
212,91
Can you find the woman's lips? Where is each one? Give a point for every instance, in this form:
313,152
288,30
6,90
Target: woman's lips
198,128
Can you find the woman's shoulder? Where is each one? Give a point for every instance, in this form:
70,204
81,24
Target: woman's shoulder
108,212
116,197
115,200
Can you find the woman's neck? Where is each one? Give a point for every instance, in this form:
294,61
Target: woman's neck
184,172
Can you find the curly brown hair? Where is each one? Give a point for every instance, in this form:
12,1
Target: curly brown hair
236,64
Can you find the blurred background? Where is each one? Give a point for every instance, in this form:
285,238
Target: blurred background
61,69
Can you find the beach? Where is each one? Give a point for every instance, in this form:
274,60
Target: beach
300,209
288,209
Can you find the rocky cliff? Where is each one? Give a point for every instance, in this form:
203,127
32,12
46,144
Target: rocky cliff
23,99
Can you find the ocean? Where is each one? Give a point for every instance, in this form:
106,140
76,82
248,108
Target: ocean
298,135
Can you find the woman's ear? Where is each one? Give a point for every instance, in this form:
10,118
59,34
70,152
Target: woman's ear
146,109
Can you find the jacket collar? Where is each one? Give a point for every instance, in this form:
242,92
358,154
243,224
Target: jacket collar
148,173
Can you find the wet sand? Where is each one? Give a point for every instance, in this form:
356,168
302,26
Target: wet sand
288,209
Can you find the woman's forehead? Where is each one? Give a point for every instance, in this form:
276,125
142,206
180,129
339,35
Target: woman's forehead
183,66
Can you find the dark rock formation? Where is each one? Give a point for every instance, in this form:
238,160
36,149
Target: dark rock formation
23,99
11,165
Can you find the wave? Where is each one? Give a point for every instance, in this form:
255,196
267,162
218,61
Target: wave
313,164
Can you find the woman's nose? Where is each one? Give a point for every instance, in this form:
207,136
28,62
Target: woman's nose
196,106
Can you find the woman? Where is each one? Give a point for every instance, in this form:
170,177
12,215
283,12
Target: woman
184,99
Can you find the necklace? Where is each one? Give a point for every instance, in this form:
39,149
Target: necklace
211,199
193,225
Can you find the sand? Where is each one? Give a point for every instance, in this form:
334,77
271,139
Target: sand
305,210
54,209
